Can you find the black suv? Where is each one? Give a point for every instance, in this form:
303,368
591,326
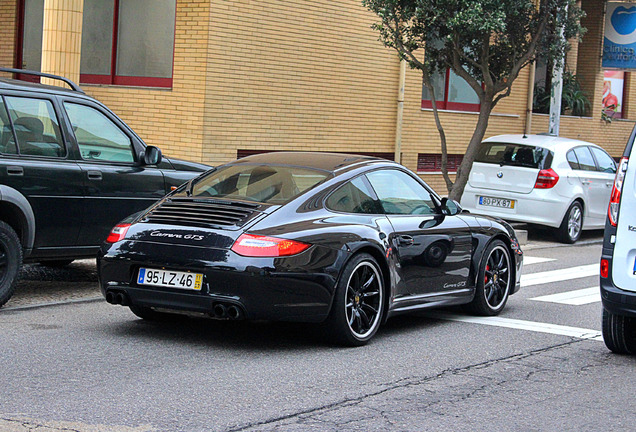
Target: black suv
70,169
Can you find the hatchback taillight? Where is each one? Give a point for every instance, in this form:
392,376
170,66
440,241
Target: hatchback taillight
615,197
117,233
263,246
546,179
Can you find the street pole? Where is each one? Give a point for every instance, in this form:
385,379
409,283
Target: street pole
556,91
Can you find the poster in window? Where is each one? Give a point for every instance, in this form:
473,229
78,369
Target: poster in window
613,93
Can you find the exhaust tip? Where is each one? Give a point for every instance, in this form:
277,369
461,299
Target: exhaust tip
233,312
220,311
110,297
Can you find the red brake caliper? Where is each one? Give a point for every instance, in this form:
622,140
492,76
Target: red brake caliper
486,277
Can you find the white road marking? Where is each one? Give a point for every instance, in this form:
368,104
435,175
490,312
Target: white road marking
575,332
576,298
528,260
559,275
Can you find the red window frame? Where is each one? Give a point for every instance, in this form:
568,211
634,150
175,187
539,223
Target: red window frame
432,162
241,153
445,104
115,79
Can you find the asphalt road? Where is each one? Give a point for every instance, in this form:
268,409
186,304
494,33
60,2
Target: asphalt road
72,362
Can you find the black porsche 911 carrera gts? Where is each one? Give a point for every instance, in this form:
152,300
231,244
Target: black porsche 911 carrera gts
346,240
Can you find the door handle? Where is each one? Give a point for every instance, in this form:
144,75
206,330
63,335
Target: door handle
15,170
586,182
405,240
94,175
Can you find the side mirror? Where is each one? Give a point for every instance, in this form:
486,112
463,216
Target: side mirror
151,156
450,207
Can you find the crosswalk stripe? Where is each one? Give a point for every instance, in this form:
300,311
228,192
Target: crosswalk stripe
575,332
576,298
559,275
528,260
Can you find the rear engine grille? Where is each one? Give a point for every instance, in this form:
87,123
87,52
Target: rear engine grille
202,212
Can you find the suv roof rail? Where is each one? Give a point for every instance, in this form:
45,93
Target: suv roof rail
71,84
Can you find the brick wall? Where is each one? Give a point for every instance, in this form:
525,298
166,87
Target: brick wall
8,26
304,75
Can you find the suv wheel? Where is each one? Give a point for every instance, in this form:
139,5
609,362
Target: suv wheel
572,225
10,261
619,333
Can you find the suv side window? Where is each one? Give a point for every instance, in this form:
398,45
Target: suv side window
586,161
605,161
7,141
36,127
98,138
353,197
399,193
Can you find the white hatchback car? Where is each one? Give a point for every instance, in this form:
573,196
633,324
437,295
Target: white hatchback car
544,180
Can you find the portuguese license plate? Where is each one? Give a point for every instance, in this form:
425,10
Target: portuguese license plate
170,279
497,202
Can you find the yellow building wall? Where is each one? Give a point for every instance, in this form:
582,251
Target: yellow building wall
8,10
302,75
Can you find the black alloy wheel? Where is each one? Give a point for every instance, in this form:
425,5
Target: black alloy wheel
494,281
10,261
359,303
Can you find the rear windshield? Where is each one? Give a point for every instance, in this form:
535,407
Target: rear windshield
514,154
260,183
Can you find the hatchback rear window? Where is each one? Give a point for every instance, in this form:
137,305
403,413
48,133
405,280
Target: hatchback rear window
514,154
260,183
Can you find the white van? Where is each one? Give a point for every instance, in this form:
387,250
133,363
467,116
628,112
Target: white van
618,258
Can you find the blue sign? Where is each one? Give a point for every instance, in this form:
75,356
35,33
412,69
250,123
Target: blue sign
619,47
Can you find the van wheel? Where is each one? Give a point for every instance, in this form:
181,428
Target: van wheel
570,230
10,261
619,333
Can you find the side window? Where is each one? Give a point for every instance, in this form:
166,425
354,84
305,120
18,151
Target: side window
605,161
7,141
572,160
98,138
353,197
399,193
36,127
586,161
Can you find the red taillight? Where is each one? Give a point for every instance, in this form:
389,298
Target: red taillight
263,246
546,179
117,233
604,268
615,197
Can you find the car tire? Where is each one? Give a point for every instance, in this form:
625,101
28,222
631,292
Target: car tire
619,333
572,225
358,305
10,261
57,263
494,281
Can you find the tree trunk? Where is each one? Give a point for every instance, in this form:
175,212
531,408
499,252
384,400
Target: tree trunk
467,162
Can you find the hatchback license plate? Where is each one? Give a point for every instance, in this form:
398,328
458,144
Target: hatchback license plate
170,279
497,202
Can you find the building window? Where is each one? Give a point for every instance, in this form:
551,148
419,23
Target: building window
128,42
432,162
451,93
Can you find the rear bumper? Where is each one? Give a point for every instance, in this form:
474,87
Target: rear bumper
536,207
614,299
279,289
